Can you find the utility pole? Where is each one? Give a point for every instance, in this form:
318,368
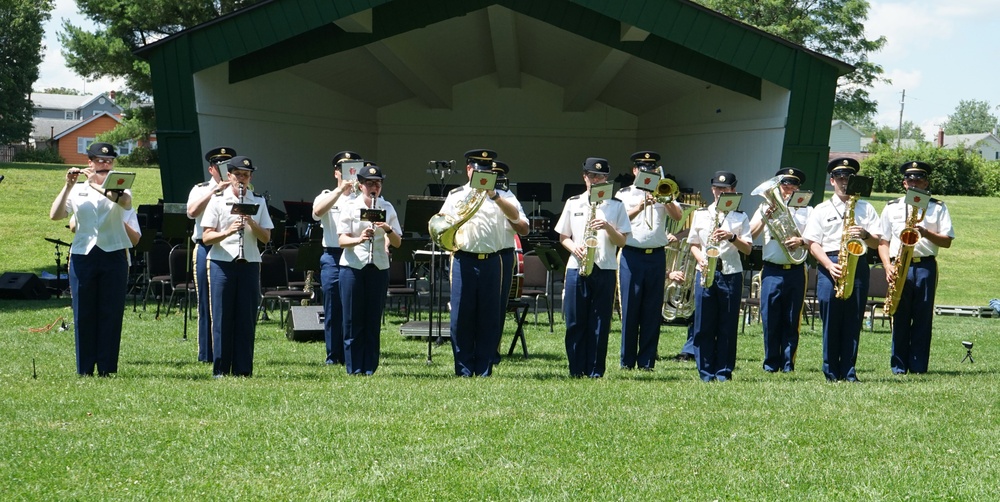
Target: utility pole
899,131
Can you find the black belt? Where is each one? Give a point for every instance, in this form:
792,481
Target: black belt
783,266
506,250
918,259
477,256
200,241
332,250
644,250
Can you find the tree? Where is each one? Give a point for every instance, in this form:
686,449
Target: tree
831,27
889,135
62,90
970,117
20,55
123,26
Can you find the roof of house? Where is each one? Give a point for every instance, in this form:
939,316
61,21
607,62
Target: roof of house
66,101
953,140
839,122
81,123
45,128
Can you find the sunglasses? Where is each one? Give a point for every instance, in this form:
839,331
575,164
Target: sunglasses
841,176
98,160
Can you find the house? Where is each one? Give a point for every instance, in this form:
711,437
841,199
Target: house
70,124
844,137
986,144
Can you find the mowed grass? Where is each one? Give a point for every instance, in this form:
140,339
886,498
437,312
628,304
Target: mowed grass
164,429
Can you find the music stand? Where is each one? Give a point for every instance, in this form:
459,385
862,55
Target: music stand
573,189
144,246
535,192
553,263
177,225
308,256
59,267
419,210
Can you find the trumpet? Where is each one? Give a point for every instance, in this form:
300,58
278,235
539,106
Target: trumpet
908,238
240,258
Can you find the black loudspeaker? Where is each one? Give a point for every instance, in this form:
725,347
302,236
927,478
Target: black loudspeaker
305,324
22,286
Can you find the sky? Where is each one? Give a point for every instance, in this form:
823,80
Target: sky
938,51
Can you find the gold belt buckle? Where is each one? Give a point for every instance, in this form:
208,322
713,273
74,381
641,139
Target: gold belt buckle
482,256
916,259
649,251
786,267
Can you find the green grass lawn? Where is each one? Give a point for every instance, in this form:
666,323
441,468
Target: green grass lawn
164,429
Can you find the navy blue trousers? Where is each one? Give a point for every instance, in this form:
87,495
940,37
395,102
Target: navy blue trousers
911,324
98,282
842,322
587,305
716,319
204,303
782,294
235,290
475,312
641,277
333,309
362,292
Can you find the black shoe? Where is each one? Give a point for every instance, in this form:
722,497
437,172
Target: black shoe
682,357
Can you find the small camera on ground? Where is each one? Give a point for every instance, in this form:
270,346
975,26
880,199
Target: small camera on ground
967,345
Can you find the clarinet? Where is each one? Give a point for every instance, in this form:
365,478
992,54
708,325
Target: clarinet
371,242
240,258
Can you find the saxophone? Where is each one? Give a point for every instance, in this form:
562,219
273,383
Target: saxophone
712,253
908,238
443,227
678,298
308,288
851,248
590,241
781,223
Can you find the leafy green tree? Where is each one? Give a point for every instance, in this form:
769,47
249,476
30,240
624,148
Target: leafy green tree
20,55
62,90
122,26
970,117
888,136
831,27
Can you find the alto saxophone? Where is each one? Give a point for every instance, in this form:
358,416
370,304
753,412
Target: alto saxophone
851,248
712,253
590,241
443,227
908,238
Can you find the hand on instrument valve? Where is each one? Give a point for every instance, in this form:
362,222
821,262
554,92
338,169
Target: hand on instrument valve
676,276
793,242
73,175
236,225
720,234
368,234
858,232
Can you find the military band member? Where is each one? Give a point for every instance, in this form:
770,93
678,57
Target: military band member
508,255
588,299
364,271
198,200
823,234
782,281
475,272
327,210
717,307
234,269
98,263
911,324
642,266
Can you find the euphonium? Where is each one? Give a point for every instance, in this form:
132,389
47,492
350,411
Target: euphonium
907,239
443,227
781,223
590,241
712,253
851,248
678,297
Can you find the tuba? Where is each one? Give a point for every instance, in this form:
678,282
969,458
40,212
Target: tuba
590,241
781,223
678,298
851,248
443,227
907,239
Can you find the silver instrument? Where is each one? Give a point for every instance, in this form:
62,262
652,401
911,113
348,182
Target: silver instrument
781,223
678,297
240,258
